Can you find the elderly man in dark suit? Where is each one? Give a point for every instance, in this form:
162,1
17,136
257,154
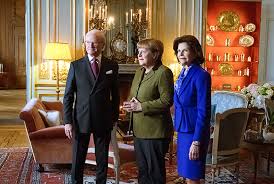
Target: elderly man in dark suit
91,105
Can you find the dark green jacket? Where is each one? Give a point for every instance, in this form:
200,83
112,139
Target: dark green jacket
155,92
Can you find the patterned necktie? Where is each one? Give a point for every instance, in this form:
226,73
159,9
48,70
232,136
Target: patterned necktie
95,67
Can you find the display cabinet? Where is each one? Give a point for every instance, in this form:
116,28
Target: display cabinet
232,43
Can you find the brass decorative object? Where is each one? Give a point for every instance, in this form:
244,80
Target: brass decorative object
242,57
225,69
63,71
210,56
98,16
241,28
44,70
228,21
209,40
236,57
250,27
227,42
227,57
137,23
118,47
246,41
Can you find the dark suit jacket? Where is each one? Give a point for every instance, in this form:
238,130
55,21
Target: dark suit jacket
155,92
92,104
193,103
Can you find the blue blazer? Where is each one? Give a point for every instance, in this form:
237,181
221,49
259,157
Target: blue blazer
193,103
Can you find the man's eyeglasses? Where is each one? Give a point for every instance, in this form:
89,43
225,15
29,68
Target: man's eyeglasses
93,43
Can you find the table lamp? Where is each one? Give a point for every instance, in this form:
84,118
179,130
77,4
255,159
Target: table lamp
57,51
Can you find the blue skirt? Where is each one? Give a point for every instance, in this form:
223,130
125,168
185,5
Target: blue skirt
191,169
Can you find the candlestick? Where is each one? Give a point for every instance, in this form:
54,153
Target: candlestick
100,12
106,11
146,14
91,11
131,14
128,42
126,17
140,15
103,13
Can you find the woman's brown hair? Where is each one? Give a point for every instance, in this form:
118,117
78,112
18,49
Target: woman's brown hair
194,46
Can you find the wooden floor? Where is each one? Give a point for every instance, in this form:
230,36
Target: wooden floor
13,136
11,102
12,129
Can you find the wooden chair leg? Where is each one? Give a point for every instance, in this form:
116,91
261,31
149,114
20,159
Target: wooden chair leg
237,170
117,174
40,168
268,163
213,175
218,171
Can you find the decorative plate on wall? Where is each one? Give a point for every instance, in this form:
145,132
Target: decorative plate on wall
250,27
246,41
228,21
209,40
225,69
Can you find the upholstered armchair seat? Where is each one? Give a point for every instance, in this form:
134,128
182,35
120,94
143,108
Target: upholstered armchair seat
48,133
225,100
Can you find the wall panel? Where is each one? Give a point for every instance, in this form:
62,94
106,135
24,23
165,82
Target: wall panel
266,63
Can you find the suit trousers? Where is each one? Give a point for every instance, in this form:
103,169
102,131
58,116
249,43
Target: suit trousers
150,158
80,147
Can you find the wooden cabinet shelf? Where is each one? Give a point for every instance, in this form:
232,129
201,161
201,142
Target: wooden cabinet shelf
231,47
231,32
232,62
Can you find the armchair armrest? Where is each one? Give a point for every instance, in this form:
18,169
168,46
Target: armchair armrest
57,105
50,132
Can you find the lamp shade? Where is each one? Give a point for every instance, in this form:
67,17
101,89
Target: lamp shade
57,51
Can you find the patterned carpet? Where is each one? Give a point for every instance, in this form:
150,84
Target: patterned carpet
17,166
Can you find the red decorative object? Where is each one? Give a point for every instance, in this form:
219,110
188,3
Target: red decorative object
243,59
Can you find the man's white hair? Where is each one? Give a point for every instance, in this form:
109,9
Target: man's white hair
97,33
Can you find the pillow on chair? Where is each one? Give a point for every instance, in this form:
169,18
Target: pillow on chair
51,117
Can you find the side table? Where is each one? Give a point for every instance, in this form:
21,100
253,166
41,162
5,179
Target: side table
257,147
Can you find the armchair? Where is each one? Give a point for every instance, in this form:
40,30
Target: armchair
228,134
49,144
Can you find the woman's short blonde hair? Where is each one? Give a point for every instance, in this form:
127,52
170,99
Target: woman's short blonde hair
155,46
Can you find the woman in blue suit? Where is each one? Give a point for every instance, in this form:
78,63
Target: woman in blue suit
192,101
